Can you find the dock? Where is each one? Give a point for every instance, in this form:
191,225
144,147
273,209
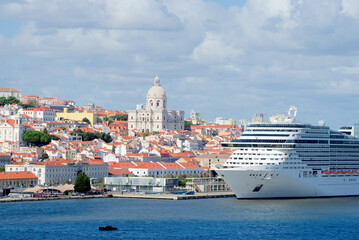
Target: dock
158,196
26,199
164,196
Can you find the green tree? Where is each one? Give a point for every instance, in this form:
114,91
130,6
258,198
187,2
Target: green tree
182,180
123,117
13,100
54,137
44,156
36,138
86,120
2,169
89,136
145,134
2,101
187,123
45,131
82,183
26,106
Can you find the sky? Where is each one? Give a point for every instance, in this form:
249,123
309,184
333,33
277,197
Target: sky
222,58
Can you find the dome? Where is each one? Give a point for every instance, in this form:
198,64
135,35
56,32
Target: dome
156,91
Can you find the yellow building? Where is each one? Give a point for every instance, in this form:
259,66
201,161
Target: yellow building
78,116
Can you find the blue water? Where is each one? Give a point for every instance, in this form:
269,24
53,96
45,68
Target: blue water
190,219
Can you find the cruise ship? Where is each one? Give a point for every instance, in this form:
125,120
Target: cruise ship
292,160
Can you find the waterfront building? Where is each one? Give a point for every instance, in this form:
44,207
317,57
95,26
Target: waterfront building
61,170
17,179
141,184
155,116
10,92
159,168
78,116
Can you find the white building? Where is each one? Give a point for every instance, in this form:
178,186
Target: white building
9,110
10,92
11,130
51,173
155,116
195,115
159,168
43,114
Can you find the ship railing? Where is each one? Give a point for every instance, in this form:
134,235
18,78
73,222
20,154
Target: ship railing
340,173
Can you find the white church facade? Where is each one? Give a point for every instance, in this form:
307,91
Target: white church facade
155,116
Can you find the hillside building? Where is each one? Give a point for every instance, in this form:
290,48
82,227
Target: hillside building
155,116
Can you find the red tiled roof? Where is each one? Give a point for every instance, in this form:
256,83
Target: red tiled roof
16,175
8,90
113,171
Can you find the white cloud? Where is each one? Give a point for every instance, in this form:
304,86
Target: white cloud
213,49
229,59
347,70
108,14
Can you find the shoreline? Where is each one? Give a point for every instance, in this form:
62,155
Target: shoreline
160,196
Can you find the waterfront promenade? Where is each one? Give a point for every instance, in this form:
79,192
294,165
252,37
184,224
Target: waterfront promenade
164,196
159,196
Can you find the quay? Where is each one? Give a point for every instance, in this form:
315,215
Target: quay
25,199
159,196
164,196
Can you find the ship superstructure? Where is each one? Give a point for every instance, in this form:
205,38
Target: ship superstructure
288,159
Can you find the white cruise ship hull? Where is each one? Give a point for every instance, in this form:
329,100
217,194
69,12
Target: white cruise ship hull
262,183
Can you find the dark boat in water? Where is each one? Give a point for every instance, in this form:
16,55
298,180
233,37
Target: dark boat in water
107,228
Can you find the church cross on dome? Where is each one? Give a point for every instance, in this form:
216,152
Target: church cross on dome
156,81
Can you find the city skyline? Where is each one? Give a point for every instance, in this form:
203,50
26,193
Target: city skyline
215,57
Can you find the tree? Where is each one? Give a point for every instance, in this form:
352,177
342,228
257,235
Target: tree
2,169
89,136
86,120
2,101
54,137
82,183
145,134
123,117
26,106
182,180
13,100
187,123
36,138
44,156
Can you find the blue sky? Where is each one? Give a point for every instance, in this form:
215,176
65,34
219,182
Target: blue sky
221,58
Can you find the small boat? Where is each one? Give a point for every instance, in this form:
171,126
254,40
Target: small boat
107,228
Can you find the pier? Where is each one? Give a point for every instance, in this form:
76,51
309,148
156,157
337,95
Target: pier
159,196
164,196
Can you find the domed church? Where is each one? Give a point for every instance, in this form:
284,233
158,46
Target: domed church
155,116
